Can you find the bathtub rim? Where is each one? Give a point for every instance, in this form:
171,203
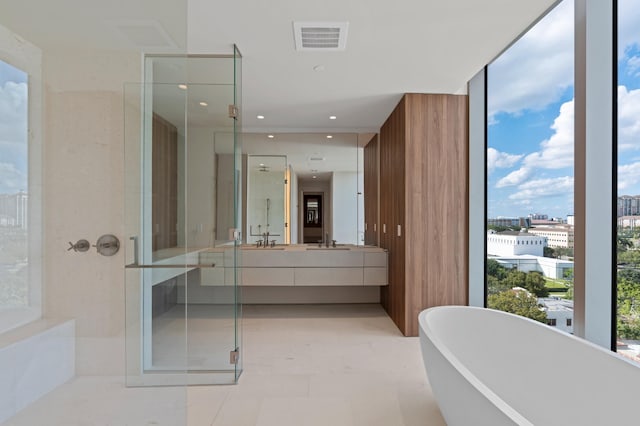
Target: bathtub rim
473,380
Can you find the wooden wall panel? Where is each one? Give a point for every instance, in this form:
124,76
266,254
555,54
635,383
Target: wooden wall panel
164,184
371,191
392,145
436,208
424,189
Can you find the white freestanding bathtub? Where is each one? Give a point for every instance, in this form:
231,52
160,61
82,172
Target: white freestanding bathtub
492,368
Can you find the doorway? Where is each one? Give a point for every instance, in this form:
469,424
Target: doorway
312,217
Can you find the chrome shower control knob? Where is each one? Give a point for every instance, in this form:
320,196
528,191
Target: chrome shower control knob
108,245
80,245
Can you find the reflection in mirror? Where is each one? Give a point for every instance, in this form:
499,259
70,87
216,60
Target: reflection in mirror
186,106
330,170
266,187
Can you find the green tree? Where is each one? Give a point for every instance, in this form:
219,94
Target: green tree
567,274
495,286
624,243
629,257
535,283
569,294
628,321
515,278
549,252
494,269
518,302
500,228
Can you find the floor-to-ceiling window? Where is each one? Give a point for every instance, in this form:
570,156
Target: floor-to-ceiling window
530,172
628,207
15,291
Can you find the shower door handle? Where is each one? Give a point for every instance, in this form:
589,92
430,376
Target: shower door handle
135,249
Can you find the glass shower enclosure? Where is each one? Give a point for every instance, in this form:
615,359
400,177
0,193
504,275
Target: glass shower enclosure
183,171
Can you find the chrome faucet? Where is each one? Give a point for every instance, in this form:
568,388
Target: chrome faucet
266,239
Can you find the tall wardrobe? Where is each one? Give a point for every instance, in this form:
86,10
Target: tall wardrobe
423,205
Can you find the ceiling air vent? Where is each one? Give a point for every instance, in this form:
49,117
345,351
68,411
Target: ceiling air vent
319,36
143,34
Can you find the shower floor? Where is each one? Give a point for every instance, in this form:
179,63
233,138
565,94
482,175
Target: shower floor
193,337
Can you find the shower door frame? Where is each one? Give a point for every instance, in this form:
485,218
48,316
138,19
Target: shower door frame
141,271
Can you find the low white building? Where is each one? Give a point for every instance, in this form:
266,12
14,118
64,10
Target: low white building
559,312
510,243
549,267
557,236
629,222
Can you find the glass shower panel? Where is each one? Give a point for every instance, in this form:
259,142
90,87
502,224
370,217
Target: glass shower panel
181,279
238,209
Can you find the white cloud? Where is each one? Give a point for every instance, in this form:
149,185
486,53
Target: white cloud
628,26
13,136
13,112
628,175
497,159
537,69
633,66
628,119
542,188
557,151
515,178
11,179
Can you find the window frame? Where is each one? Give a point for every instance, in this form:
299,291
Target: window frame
594,21
23,55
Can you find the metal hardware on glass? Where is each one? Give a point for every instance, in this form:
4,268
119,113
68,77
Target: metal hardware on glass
79,246
234,356
107,245
233,111
135,248
172,266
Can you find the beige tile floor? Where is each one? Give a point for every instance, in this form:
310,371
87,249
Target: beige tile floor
303,365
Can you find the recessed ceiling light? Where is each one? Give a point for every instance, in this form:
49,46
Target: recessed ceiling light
182,86
318,68
314,177
260,117
329,137
261,164
204,103
270,136
332,117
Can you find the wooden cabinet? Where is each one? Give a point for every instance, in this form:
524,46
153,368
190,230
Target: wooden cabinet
424,205
164,214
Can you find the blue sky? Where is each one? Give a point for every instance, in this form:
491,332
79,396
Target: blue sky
13,129
530,103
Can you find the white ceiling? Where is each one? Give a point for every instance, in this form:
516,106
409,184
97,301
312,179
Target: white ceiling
427,46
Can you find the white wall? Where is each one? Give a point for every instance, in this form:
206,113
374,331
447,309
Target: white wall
345,210
83,187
